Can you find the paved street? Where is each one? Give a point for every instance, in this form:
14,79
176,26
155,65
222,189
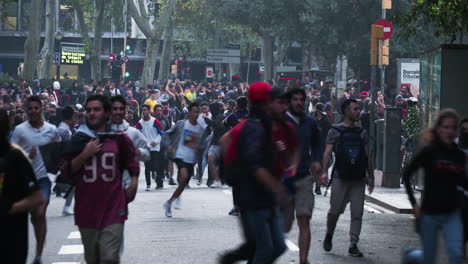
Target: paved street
202,230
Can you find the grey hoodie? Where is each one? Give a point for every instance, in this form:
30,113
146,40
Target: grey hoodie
138,139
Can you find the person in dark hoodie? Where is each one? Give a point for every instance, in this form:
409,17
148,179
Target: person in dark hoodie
462,142
19,194
444,181
214,151
257,192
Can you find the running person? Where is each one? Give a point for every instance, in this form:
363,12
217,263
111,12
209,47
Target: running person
350,144
258,191
151,128
30,135
118,123
444,176
214,151
95,159
185,141
66,129
231,121
310,157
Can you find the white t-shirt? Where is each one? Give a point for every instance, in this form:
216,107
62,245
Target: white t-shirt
149,130
28,137
188,143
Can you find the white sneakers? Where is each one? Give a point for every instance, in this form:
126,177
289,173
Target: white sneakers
167,208
178,203
67,210
216,184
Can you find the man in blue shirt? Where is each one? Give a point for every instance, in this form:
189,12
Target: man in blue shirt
311,155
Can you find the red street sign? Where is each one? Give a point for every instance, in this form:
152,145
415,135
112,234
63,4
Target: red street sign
209,72
111,57
125,59
387,28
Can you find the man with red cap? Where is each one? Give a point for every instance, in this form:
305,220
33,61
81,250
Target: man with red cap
256,191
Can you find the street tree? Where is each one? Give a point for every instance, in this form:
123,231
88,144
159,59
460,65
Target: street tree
264,17
49,42
31,46
93,46
152,25
201,27
165,63
449,18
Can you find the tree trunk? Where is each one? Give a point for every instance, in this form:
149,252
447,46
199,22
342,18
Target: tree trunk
268,43
31,46
166,52
305,58
95,53
152,47
49,43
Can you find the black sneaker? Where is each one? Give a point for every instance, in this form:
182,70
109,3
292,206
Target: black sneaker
327,243
318,191
172,182
234,212
354,251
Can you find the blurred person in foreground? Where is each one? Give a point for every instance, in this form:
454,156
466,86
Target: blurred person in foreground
257,192
30,135
19,194
444,182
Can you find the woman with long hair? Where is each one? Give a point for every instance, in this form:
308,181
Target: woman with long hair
444,182
19,193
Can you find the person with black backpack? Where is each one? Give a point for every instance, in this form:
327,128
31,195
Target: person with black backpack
350,144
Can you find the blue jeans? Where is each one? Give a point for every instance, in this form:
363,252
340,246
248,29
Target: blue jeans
452,230
267,231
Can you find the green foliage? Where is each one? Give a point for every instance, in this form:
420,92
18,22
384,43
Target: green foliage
448,17
196,26
411,124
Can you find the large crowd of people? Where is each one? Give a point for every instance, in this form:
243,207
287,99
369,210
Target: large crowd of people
271,143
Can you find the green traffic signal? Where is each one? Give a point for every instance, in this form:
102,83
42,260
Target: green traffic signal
128,47
127,74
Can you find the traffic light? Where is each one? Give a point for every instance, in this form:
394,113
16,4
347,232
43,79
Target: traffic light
128,49
127,74
377,33
386,4
384,52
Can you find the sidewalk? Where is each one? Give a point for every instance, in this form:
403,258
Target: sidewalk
393,199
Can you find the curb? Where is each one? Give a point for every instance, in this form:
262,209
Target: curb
388,206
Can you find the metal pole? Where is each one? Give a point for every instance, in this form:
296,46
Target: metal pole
217,39
250,60
60,57
124,66
373,90
382,67
112,36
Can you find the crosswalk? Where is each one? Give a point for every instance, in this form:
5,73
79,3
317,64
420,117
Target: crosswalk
74,249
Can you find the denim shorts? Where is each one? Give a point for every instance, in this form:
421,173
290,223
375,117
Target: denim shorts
45,185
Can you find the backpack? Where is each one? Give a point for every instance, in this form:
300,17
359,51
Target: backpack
351,158
231,162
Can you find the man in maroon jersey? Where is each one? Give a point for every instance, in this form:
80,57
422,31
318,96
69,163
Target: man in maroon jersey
95,159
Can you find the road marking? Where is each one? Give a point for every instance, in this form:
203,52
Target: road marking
75,235
71,250
228,192
291,245
65,262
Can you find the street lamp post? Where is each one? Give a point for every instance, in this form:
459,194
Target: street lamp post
58,37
